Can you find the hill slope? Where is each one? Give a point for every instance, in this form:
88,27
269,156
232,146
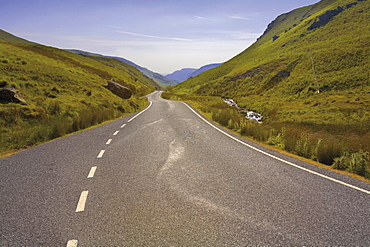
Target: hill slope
329,40
63,92
8,37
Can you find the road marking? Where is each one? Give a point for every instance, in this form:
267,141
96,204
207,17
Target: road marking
101,154
72,243
92,172
82,201
123,125
150,104
277,158
109,141
115,133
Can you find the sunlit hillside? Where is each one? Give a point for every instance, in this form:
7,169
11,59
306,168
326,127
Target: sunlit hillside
62,91
309,76
291,62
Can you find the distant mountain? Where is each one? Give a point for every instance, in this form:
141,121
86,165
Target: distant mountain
204,69
186,73
153,75
181,75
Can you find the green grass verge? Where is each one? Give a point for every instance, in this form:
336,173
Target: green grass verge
330,145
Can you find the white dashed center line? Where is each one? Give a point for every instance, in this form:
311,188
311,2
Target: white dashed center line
115,133
82,201
109,141
72,243
92,172
101,154
123,126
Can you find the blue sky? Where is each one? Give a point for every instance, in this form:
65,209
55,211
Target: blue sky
162,35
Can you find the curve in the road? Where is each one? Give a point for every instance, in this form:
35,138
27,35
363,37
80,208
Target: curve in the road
277,158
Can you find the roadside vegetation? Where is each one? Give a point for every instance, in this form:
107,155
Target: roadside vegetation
340,146
63,92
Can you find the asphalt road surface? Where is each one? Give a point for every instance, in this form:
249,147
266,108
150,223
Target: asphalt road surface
167,177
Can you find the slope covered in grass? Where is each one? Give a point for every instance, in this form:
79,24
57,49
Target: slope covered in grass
308,75
278,67
63,92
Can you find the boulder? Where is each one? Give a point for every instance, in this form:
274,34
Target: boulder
11,95
119,90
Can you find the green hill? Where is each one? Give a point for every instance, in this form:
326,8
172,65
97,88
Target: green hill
278,67
63,92
308,75
8,37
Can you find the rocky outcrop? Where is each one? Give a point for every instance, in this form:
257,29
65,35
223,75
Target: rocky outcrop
328,15
119,90
11,95
325,18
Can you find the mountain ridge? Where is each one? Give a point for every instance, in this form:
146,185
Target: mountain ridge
186,73
153,75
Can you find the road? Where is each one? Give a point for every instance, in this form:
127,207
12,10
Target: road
167,177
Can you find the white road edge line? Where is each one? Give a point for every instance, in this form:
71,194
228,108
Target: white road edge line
277,158
92,172
108,142
72,243
150,104
101,154
115,133
123,125
82,201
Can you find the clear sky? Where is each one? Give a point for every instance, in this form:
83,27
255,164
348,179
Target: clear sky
161,35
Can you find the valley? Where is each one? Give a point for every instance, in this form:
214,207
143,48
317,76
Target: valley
268,148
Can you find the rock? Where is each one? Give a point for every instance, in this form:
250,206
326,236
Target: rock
119,90
275,37
325,18
283,73
11,95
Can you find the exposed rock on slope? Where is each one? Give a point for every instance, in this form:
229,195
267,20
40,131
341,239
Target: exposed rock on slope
325,18
119,90
11,95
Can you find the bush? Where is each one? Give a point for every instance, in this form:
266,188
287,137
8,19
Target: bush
224,115
357,163
278,139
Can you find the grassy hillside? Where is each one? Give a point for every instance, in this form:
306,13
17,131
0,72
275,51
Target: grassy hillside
339,49
321,48
63,92
7,37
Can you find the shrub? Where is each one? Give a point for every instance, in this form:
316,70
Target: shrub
357,163
278,139
328,151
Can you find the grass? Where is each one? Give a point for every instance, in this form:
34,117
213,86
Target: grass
322,143
63,91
